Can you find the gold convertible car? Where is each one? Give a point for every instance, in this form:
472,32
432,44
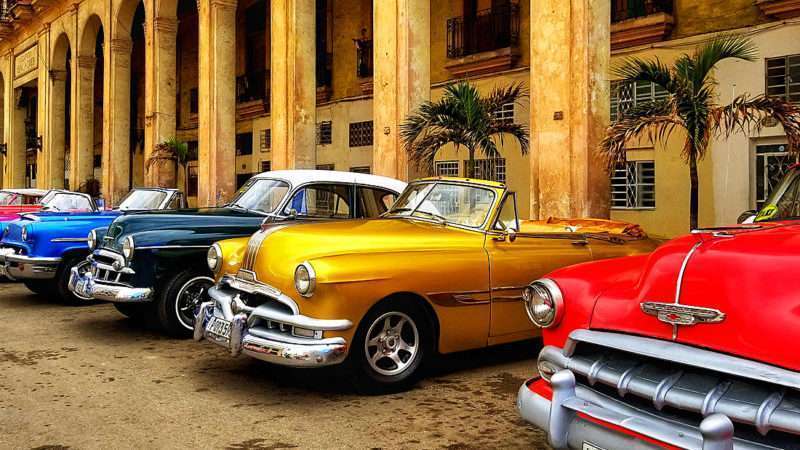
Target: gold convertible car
444,270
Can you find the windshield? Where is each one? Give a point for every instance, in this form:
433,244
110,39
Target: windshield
139,199
783,201
262,194
449,203
8,198
62,201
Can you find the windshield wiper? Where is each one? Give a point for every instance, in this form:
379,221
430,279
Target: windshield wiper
438,217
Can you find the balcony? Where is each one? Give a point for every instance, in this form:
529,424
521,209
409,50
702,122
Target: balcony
252,94
484,42
640,22
781,9
364,67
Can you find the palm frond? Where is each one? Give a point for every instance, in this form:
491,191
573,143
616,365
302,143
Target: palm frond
656,121
726,46
516,130
747,114
501,96
652,70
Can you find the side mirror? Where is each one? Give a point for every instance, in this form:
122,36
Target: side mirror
293,213
512,234
747,216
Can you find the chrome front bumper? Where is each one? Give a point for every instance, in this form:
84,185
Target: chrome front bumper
85,285
575,415
270,345
18,267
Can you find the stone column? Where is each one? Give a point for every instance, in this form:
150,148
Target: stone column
160,95
54,134
293,84
570,53
5,113
15,175
44,94
117,123
217,91
402,77
82,150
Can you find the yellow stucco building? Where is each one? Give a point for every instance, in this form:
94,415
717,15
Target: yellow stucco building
89,88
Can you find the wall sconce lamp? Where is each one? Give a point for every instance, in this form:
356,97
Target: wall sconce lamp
3,149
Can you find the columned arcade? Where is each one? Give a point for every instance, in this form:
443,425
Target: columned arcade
90,89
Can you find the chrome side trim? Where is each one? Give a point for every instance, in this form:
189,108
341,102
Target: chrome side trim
69,240
155,247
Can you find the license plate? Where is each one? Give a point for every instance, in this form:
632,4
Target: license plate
80,288
590,446
219,327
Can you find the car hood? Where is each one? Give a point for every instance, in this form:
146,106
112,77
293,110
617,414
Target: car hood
283,247
181,227
748,274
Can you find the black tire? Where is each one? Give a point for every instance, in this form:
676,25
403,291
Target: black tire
174,312
45,288
62,281
385,375
135,311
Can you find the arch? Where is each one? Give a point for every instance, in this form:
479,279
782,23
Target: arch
166,8
58,55
88,35
124,17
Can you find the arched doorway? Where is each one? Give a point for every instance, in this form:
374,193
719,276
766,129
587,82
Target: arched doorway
60,112
87,153
3,143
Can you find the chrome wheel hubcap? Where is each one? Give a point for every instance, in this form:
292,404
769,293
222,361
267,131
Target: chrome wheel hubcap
192,294
392,343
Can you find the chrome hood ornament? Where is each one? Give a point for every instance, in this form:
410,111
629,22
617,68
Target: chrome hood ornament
676,314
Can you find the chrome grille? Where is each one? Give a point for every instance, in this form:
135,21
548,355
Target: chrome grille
103,270
764,412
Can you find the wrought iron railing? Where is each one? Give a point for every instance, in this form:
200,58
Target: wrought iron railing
486,30
364,58
631,9
253,86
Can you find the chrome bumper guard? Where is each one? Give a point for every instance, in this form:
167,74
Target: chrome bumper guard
266,344
18,267
563,418
86,286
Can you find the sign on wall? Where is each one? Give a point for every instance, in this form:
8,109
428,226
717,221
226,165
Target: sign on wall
26,62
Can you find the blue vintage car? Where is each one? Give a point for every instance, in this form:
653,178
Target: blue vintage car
41,248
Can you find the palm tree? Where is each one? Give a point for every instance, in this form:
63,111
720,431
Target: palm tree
463,118
171,150
691,106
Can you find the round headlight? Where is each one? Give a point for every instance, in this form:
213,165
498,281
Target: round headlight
214,258
24,233
91,240
127,247
305,279
543,303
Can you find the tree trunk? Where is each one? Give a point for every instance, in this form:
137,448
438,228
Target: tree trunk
693,191
471,163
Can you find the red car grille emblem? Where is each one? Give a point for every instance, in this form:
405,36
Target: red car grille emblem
676,314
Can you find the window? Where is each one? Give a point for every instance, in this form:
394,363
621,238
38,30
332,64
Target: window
325,133
490,169
176,202
505,114
241,179
372,202
266,166
326,167
265,140
508,220
360,169
361,133
626,95
783,77
193,151
194,101
446,168
322,200
191,188
633,185
772,163
244,144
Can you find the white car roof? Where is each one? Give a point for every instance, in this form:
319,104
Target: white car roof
301,176
38,192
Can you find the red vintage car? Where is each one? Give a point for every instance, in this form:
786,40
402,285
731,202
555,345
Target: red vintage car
16,201
690,347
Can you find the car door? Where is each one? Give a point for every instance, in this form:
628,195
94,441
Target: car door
516,259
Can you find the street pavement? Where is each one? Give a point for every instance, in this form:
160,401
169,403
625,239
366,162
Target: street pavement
86,377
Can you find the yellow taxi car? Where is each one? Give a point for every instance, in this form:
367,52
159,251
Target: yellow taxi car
444,270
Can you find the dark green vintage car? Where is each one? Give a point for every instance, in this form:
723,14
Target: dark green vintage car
154,265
